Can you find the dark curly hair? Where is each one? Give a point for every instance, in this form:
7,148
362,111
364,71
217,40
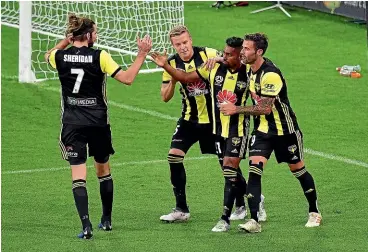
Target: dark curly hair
234,42
260,40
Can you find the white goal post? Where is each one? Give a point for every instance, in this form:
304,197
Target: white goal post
43,23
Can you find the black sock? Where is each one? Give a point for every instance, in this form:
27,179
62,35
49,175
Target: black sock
230,175
241,188
178,180
309,189
254,188
107,196
81,201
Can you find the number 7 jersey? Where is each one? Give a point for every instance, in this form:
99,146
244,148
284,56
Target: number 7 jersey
82,73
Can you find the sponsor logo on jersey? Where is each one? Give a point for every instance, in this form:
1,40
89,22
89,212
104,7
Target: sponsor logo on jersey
197,88
83,102
226,96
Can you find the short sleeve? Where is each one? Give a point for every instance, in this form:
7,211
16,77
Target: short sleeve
203,73
211,53
52,61
271,84
108,65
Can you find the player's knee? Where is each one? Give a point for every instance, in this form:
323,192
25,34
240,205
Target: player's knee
102,159
232,162
297,166
175,159
255,168
77,160
177,152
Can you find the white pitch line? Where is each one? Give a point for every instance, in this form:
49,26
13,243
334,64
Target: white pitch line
112,165
336,158
168,117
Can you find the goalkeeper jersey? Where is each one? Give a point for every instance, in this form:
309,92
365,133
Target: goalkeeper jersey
82,74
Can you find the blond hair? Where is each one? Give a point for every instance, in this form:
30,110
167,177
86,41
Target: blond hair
178,30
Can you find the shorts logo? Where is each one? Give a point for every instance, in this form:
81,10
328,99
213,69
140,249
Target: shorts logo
226,96
197,88
69,151
219,80
235,151
292,149
236,141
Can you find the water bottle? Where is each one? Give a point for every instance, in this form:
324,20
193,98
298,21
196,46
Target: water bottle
351,74
356,68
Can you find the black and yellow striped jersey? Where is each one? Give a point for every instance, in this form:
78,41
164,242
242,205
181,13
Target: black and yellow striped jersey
228,86
82,73
268,81
196,98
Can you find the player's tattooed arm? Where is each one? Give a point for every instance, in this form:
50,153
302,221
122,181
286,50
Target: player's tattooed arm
263,107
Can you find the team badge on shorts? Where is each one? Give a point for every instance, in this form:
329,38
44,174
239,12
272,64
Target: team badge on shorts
292,149
236,141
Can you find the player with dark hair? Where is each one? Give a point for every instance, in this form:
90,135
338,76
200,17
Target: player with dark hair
195,124
229,84
275,129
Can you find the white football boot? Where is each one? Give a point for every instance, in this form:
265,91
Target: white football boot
239,213
314,220
221,226
175,215
251,226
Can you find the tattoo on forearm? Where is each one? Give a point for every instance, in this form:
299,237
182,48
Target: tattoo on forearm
264,107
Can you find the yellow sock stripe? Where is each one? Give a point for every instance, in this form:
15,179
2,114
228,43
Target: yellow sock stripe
105,178
299,173
174,159
255,170
230,173
79,184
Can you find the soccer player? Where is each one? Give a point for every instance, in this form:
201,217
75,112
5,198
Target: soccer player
229,84
195,124
82,72
275,129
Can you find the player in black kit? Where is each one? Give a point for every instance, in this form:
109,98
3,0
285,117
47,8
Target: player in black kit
85,122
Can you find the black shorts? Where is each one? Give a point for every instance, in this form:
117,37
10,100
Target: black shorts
188,133
75,138
288,148
232,147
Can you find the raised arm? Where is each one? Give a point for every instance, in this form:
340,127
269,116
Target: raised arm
60,46
183,77
127,77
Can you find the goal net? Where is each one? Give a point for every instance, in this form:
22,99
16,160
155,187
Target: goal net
118,24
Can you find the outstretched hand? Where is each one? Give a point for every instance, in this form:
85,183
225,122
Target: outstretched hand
145,44
159,59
